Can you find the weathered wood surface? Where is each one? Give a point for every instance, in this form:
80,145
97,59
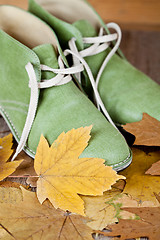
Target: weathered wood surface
142,49
4,130
137,14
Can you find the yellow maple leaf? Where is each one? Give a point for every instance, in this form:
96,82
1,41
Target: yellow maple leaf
62,175
6,168
5,147
139,185
25,218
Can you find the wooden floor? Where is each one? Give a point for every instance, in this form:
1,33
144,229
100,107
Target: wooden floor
135,14
130,14
142,49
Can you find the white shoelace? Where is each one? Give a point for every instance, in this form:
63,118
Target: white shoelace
100,43
63,76
59,79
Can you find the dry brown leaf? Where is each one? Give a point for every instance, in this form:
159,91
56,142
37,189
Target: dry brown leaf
62,175
148,226
26,218
154,169
129,229
146,131
139,185
32,181
105,210
147,214
7,168
120,184
26,168
9,184
157,196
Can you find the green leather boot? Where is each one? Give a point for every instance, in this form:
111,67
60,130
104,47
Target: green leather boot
126,92
33,106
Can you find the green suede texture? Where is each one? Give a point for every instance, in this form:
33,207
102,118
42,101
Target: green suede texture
85,28
137,93
14,90
126,92
63,30
60,108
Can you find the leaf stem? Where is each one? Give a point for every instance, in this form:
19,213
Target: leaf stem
23,176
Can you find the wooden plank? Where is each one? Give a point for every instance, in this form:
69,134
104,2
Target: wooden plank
137,14
4,130
20,3
142,49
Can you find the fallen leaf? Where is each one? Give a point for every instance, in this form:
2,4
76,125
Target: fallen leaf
139,185
9,195
150,215
26,218
9,184
157,196
120,184
7,168
146,131
32,181
6,147
105,210
62,175
2,233
124,201
129,229
98,211
154,169
26,168
148,226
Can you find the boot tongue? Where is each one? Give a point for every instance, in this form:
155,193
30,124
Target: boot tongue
47,56
86,29
95,61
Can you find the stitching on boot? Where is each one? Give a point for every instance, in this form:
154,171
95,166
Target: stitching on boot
16,133
124,161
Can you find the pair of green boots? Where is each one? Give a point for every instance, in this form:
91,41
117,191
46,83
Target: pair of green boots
37,91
